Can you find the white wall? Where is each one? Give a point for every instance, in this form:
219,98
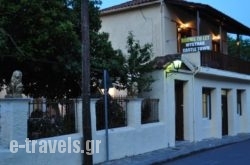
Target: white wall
144,22
151,24
212,128
13,121
196,127
21,157
134,139
137,138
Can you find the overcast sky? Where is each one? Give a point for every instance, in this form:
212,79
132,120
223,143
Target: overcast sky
237,9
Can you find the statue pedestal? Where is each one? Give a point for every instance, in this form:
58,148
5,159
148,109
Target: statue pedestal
13,121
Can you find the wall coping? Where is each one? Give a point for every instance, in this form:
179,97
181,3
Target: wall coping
15,99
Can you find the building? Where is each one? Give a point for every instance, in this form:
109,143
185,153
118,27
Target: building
209,96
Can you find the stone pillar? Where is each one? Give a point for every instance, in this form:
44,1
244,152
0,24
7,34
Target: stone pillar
232,112
134,113
216,116
79,115
93,115
13,122
245,122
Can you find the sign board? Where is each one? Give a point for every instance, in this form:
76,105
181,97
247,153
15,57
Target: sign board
196,43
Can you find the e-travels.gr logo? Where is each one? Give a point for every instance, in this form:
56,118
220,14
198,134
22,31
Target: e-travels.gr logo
56,146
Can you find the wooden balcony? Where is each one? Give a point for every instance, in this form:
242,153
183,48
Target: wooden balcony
224,62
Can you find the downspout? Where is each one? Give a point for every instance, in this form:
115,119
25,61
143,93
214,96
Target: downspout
162,33
193,85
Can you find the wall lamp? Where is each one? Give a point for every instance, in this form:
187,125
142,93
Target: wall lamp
174,66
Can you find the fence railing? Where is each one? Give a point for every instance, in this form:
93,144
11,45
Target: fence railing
117,113
149,111
224,62
51,118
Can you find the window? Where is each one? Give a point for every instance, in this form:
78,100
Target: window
239,102
149,111
206,103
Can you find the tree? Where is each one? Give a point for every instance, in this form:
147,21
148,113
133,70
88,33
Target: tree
103,56
138,65
239,48
43,40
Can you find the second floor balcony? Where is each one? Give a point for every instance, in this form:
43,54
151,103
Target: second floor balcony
224,62
219,61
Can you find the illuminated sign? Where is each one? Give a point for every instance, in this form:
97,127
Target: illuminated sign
196,43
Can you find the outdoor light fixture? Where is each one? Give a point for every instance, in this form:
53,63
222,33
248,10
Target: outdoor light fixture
183,26
174,66
177,64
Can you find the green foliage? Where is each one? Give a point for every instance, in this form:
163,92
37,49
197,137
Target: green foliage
239,48
139,64
43,40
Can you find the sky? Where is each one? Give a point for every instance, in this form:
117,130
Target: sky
236,9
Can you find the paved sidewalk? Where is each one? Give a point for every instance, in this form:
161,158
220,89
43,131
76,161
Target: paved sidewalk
182,149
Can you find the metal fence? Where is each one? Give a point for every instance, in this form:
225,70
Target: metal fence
117,113
149,111
51,118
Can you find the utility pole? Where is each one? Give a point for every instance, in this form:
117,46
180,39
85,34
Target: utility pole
86,116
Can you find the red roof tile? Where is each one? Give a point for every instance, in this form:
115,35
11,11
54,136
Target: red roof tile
206,12
128,4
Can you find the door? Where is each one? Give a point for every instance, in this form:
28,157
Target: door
224,111
179,123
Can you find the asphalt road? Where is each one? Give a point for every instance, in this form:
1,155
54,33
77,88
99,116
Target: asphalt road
234,154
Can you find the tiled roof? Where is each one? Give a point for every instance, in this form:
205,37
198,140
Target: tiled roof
161,61
205,11
128,4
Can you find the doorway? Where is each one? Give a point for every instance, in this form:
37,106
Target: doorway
179,121
224,112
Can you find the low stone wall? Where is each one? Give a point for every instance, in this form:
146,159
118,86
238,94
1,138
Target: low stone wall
14,115
135,138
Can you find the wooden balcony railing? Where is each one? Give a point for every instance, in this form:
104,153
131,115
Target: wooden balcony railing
224,62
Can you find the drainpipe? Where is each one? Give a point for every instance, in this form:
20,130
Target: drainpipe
193,85
162,28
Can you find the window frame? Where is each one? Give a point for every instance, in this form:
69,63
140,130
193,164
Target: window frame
239,102
206,103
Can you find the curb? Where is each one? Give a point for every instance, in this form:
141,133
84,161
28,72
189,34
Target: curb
182,150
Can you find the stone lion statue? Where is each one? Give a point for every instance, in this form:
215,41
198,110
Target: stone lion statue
15,88
133,90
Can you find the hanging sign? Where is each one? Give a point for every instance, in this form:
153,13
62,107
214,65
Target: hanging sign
196,43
